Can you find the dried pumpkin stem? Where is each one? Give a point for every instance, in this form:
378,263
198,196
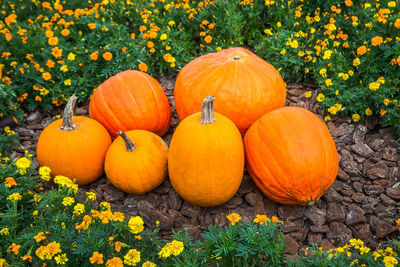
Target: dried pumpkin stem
236,57
207,112
67,123
130,146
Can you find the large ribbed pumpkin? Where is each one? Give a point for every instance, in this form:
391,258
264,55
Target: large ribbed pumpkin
244,85
291,156
136,162
206,158
131,100
74,146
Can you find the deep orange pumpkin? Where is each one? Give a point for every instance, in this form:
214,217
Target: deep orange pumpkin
206,158
74,146
291,156
131,100
136,162
244,85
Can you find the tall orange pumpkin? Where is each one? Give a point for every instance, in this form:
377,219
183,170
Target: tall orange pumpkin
136,162
244,85
291,156
206,158
74,146
131,100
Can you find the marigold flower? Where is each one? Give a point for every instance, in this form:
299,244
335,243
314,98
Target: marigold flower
163,37
57,52
208,39
53,41
132,257
12,18
374,86
91,196
39,237
114,262
361,50
71,56
368,112
79,208
356,117
376,41
136,225
356,62
26,258
143,67
4,231
107,56
261,219
390,261
92,26
23,164
96,258
65,32
94,56
328,82
10,182
149,264
320,97
397,24
172,248
233,218
68,201
61,259
14,248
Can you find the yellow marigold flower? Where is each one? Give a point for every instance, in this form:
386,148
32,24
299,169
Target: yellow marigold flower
172,248
43,253
374,86
143,67
54,248
68,201
376,41
66,182
356,62
79,208
132,257
368,112
53,41
107,56
261,219
71,56
233,218
23,164
327,118
65,32
96,258
392,4
320,97
364,250
3,263
4,231
92,26
381,80
114,262
268,32
171,23
64,68
61,259
67,82
390,261
328,82
322,72
136,225
91,196
149,264
208,39
367,5
283,51
356,117
14,248
163,37
327,54
10,182
105,205
14,197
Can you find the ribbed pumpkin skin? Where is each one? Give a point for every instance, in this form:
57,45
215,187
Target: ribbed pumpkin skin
75,154
291,156
244,89
141,170
131,100
206,161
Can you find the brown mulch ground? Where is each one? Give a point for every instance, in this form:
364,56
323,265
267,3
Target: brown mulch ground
360,204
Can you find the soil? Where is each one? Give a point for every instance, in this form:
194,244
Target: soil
362,202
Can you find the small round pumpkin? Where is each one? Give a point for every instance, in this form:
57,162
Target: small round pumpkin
206,158
74,146
291,156
136,161
131,100
244,85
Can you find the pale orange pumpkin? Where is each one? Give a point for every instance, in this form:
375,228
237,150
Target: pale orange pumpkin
244,85
291,156
74,146
131,100
136,162
206,158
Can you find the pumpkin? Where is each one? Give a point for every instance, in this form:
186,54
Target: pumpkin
131,100
206,158
244,85
136,161
74,146
291,156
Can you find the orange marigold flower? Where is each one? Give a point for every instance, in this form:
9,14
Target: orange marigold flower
377,40
96,258
53,41
50,63
143,67
348,2
107,56
12,18
118,246
114,262
65,32
397,24
38,99
150,44
208,39
92,26
133,36
382,112
47,5
9,182
57,52
94,55
27,258
14,248
361,50
142,28
46,76
49,34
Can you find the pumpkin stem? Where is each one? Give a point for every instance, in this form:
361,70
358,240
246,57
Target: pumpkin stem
207,112
130,146
312,202
67,123
236,57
